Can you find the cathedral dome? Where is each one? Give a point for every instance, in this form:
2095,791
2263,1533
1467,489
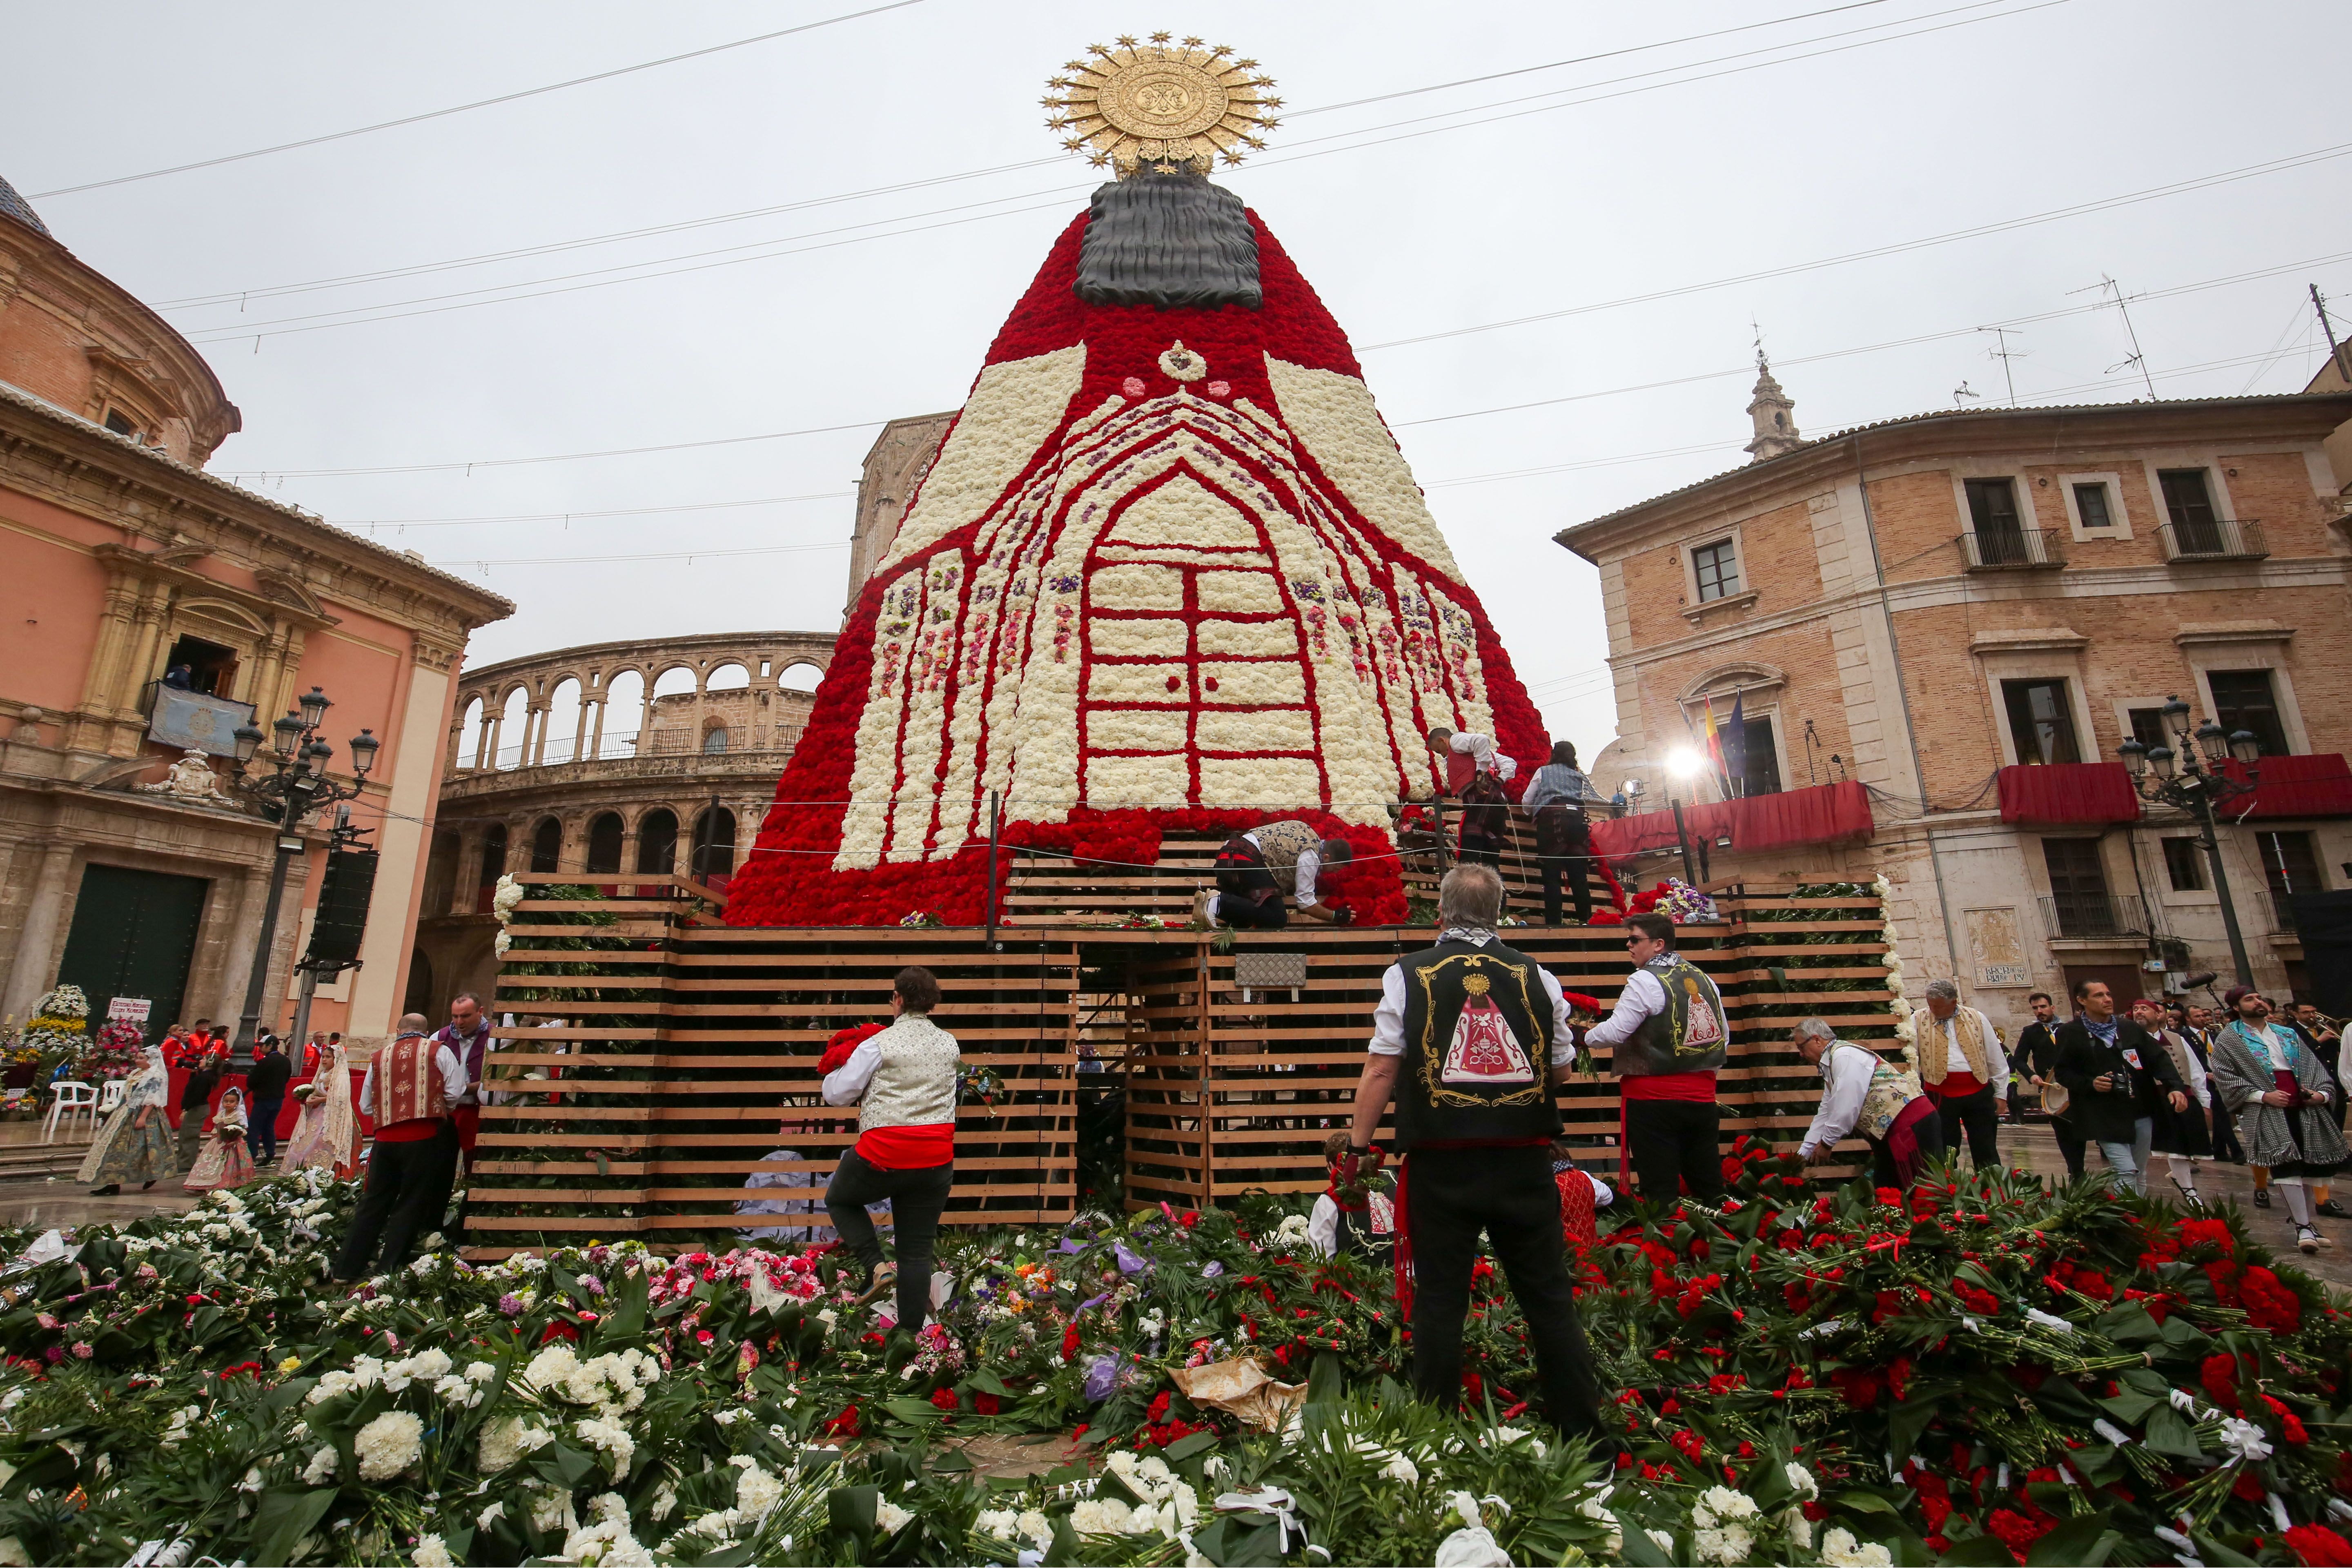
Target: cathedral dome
16,206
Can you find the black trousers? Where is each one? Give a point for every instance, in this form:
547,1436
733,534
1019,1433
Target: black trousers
2069,1142
261,1129
1248,897
2225,1133
407,1194
1674,1144
1450,1196
1979,1115
917,1198
1564,848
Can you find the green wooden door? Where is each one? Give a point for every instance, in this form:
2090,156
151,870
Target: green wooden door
135,933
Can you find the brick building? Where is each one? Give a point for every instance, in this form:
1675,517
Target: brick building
126,563
1916,617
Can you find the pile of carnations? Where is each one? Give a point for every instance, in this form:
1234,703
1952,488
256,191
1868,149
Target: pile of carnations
1982,1372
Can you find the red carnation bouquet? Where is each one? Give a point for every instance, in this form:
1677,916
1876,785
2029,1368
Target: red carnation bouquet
837,1050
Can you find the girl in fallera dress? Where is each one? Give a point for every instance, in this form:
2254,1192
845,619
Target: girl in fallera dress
328,1132
135,1144
225,1162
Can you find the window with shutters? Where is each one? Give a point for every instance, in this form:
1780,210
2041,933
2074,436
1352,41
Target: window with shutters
1993,517
1715,568
2184,865
2189,505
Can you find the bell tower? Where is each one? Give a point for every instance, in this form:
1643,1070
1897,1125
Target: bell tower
1774,413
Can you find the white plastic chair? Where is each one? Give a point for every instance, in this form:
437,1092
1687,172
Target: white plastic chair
109,1095
73,1097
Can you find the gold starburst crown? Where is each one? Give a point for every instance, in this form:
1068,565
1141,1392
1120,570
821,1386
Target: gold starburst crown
1162,104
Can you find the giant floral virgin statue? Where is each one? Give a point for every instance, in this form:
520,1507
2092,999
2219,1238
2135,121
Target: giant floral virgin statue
1168,570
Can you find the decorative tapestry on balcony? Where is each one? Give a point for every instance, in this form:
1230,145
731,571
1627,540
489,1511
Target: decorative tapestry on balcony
1820,815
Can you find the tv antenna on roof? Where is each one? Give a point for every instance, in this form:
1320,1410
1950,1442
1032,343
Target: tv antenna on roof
2005,353
1961,391
2109,285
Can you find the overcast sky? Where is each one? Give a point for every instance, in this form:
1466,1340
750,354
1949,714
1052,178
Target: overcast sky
1649,172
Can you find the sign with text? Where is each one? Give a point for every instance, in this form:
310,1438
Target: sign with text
1997,944
127,1010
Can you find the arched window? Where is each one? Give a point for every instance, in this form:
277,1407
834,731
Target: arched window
714,739
657,842
624,715
604,842
441,874
514,732
469,736
801,677
494,866
714,846
728,677
562,740
547,845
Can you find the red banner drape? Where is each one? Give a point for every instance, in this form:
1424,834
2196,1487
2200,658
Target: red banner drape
2316,785
2068,792
1820,815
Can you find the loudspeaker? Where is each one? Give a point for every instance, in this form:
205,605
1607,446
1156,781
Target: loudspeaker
342,919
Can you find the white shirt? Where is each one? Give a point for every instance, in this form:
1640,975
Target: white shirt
1323,1224
453,1080
1846,1072
1644,994
2199,1089
1310,865
1388,1018
846,1083
1480,748
1996,1059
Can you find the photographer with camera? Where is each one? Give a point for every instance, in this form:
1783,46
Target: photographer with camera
2272,1082
2118,1078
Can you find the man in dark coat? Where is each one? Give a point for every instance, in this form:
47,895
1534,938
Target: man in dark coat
2037,1057
2117,1076
265,1093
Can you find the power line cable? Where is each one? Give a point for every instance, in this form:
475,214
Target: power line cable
479,103
240,296
263,475
391,311
372,523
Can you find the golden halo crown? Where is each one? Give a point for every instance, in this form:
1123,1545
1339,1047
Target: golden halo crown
1163,105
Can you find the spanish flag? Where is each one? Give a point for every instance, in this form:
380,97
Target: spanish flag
1714,742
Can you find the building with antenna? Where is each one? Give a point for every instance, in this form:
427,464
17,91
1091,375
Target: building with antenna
1936,631
153,610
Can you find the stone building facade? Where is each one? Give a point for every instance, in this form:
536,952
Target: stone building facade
895,464
126,565
562,762
1932,604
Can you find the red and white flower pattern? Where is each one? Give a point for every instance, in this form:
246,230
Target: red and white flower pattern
1124,599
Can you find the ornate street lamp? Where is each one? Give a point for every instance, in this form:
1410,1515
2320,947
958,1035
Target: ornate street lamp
296,786
2191,779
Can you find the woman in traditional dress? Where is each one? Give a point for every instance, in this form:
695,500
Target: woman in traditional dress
226,1162
135,1144
328,1132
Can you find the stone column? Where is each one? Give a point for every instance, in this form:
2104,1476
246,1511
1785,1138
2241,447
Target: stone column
100,692
539,718
592,720
237,951
154,605
40,941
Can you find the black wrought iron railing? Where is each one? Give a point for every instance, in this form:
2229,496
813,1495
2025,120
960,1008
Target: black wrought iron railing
2093,917
2010,550
2215,539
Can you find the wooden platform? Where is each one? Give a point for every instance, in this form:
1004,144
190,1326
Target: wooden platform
658,1055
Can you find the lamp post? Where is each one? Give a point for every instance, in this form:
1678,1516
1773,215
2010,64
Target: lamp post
296,786
2189,777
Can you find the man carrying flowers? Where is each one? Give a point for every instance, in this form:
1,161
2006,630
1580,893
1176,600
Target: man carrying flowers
903,1081
2278,1090
1459,1042
1862,1093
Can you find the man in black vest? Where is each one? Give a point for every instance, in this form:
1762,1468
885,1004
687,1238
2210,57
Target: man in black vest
1468,1040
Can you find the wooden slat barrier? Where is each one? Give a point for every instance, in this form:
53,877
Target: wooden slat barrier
657,1052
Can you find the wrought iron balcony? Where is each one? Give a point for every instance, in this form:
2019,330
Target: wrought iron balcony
2093,917
2011,550
2220,539
2281,914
